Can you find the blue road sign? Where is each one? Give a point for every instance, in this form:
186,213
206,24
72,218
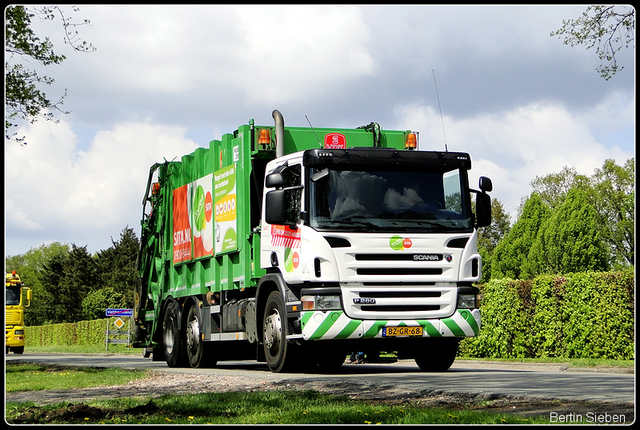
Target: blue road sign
119,312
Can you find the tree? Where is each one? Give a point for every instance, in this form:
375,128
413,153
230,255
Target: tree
117,265
614,200
67,280
553,188
569,241
511,253
611,192
490,236
29,267
609,28
24,99
96,302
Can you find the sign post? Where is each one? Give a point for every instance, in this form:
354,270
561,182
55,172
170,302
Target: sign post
118,323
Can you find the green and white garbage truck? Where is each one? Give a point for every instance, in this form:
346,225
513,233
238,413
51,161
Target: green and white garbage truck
295,246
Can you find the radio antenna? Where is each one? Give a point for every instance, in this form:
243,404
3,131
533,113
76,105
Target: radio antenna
440,107
314,132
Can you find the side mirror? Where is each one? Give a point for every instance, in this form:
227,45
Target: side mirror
275,209
483,209
274,180
485,184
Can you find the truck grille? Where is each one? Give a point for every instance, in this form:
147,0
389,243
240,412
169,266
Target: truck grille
398,271
404,266
403,301
12,317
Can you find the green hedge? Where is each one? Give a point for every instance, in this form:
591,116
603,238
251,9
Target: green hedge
580,315
79,333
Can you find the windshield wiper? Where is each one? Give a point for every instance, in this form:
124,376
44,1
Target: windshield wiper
419,224
351,221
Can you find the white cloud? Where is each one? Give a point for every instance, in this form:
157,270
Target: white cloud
519,101
300,50
514,147
51,186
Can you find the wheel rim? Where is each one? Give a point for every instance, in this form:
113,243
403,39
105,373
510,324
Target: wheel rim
193,335
168,335
273,331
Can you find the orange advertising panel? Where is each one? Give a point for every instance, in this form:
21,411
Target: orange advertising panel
193,220
181,225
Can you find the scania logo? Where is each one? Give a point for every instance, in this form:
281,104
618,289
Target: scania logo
427,257
364,301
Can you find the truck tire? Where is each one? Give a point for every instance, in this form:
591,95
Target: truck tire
194,344
278,352
171,337
18,349
439,356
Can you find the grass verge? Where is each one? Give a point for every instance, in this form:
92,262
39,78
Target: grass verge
270,407
35,377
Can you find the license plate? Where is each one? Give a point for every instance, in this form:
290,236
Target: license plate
401,331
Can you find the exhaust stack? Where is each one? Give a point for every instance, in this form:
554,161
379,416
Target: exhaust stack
279,123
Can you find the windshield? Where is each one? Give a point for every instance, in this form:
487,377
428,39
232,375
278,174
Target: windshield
387,200
13,296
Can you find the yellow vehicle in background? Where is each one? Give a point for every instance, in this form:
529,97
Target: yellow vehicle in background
14,313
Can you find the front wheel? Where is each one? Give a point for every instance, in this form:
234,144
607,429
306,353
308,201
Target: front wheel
439,356
194,342
278,352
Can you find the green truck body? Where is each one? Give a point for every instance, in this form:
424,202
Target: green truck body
296,246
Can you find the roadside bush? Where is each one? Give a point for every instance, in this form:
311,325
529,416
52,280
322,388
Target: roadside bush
580,315
80,333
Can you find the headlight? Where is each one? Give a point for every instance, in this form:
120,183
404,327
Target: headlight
321,303
19,332
467,301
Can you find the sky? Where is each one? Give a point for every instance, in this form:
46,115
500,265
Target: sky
164,80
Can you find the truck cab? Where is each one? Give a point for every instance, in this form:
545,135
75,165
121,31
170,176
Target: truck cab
14,312
377,243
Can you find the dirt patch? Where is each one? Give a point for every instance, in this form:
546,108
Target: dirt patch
80,413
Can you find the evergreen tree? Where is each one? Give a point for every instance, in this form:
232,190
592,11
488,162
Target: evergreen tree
511,253
569,241
67,279
117,265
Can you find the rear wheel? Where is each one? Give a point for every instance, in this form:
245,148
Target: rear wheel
171,339
278,352
439,356
194,343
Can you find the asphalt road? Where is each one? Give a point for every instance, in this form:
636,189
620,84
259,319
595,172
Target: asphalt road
545,381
